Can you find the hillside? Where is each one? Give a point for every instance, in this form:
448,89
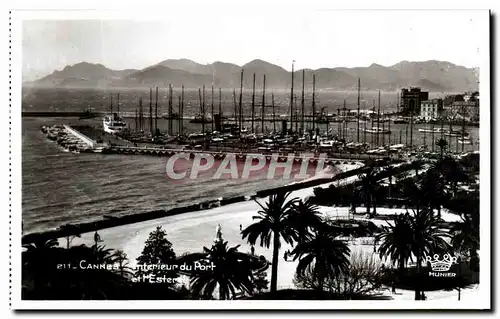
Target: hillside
437,76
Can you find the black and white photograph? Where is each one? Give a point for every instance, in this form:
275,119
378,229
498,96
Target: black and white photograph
237,159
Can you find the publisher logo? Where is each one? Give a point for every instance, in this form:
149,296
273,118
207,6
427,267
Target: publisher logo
440,266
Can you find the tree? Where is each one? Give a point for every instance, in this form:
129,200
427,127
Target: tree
452,173
442,144
363,277
304,215
396,241
432,190
326,256
41,245
390,171
428,239
465,233
367,188
275,220
120,258
157,251
231,271
465,236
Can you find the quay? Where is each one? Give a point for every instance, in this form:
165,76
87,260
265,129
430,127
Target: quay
335,158
73,140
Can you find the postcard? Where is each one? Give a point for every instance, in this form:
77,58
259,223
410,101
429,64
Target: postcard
218,158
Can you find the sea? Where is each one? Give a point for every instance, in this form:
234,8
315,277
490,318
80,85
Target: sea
60,187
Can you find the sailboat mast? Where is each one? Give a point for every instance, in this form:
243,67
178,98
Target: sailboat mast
296,116
390,133
302,102
378,118
111,104
220,103
235,110
339,122
170,109
118,103
274,113
212,108
141,116
314,102
345,122
241,100
291,101
253,104
135,119
179,128
263,104
359,93
181,114
151,110
383,129
156,111
411,128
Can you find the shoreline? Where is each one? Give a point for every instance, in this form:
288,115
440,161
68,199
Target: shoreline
111,221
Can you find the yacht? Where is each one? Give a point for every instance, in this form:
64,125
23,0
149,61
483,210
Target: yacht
456,133
377,130
435,130
400,120
464,140
199,118
113,124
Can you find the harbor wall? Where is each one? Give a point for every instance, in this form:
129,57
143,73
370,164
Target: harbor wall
82,137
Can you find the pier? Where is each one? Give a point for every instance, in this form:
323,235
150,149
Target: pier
90,142
74,140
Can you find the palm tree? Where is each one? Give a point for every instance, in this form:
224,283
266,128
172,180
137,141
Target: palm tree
120,257
367,188
428,238
39,259
465,235
442,144
417,165
432,190
304,215
322,253
276,220
396,241
452,172
41,244
390,171
232,271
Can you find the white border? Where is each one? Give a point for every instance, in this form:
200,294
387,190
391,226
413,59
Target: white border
17,16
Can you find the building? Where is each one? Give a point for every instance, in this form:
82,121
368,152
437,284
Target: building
465,110
431,109
411,100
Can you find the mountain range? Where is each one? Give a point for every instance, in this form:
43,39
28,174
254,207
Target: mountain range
434,76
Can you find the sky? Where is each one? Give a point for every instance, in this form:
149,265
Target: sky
312,39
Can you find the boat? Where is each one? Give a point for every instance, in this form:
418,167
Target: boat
456,133
88,114
435,130
464,140
113,124
323,120
201,119
400,120
377,130
174,115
